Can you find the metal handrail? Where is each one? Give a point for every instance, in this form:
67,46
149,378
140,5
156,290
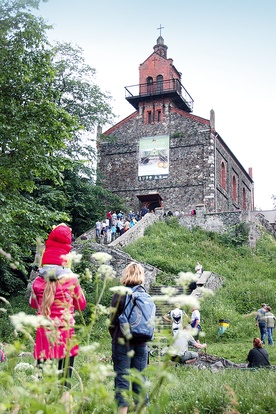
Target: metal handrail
158,88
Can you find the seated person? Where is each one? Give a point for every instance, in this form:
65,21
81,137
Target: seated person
257,356
180,346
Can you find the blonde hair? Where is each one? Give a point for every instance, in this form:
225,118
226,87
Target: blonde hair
133,275
48,298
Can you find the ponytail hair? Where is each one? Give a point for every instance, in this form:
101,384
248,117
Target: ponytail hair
48,298
257,343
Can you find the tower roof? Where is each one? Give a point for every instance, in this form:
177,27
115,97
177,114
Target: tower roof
160,47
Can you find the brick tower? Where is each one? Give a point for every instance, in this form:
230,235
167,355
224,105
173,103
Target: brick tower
162,154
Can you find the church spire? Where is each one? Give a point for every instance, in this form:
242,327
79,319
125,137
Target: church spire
160,47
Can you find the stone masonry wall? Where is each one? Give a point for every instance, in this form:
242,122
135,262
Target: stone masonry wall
121,259
191,177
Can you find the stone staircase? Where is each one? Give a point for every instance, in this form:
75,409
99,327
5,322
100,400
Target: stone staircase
208,279
162,307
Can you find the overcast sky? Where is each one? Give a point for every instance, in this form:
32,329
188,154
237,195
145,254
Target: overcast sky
225,50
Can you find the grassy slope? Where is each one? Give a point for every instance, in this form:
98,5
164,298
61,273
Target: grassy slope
249,280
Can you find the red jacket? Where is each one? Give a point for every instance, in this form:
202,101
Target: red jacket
56,343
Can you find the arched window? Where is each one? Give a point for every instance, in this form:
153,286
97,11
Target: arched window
159,83
149,84
149,117
243,199
234,188
223,175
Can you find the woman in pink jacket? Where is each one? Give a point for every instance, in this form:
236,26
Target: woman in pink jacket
56,293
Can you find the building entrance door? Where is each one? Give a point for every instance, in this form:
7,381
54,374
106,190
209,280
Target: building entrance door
151,201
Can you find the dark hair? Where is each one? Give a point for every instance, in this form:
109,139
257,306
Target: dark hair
257,343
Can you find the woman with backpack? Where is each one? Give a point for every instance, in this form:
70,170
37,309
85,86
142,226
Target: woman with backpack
127,353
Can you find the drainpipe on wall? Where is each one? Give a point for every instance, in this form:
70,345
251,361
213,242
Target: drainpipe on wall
214,137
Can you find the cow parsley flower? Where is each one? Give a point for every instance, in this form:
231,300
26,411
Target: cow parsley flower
102,257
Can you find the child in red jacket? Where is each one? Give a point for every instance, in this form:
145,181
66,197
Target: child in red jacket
56,293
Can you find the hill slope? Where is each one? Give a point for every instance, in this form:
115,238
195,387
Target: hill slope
250,275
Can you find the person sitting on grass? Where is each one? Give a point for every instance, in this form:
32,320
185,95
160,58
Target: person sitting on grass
180,347
257,356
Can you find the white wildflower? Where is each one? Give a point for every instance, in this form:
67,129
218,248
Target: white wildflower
205,292
121,290
7,255
67,259
87,275
107,271
4,300
105,370
76,257
101,372
50,369
102,257
184,278
23,366
161,298
3,310
185,300
21,320
169,290
102,310
131,353
89,348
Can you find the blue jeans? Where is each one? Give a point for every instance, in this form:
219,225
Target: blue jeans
262,331
269,335
122,363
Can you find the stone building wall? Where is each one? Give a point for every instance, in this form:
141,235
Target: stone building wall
193,153
233,168
120,260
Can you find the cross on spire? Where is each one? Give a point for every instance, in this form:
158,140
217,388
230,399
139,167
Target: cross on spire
160,28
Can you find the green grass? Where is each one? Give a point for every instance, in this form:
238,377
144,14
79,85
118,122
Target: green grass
249,279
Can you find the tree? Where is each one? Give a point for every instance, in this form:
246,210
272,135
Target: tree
33,127
47,100
82,99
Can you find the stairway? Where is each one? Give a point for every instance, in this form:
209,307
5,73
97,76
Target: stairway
162,307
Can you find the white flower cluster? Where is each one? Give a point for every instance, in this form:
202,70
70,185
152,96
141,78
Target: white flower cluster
21,320
23,366
89,348
121,290
102,257
185,278
4,300
106,271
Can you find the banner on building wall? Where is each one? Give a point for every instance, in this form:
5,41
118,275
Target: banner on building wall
153,158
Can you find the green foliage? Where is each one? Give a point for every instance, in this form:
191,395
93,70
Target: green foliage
92,383
49,106
236,235
248,274
32,125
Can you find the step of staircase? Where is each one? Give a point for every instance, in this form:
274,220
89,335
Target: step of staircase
163,307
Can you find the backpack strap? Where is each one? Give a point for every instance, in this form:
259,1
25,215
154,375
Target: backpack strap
263,356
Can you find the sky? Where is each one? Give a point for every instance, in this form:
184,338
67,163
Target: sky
225,50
